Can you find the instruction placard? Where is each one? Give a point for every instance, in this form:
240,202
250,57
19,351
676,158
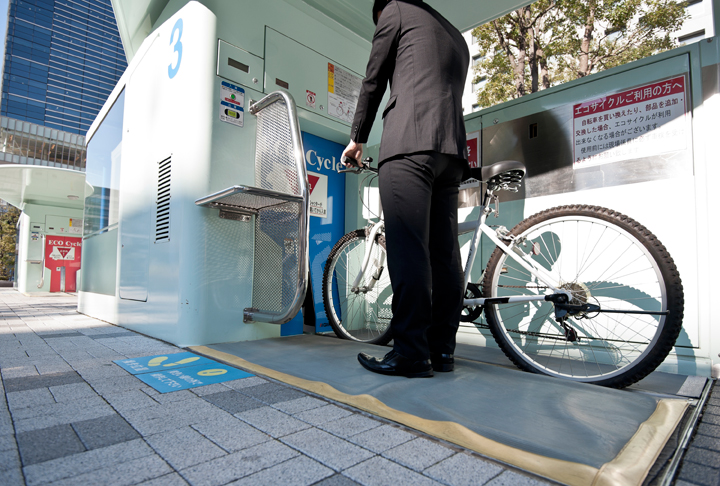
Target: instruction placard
343,92
179,371
641,122
166,381
232,101
147,364
318,194
75,226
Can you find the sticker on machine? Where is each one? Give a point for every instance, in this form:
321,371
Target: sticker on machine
62,253
318,194
644,121
473,149
310,99
232,101
343,92
75,226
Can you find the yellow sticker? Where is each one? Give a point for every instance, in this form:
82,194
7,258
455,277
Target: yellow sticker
183,361
214,372
157,361
331,78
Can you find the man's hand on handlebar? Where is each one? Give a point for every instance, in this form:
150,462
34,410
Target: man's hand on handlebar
352,154
357,167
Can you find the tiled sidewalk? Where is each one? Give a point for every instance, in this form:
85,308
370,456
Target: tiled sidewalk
701,462
70,416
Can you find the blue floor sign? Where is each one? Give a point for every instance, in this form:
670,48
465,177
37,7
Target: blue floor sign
173,372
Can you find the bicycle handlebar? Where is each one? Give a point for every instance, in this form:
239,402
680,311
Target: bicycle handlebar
357,167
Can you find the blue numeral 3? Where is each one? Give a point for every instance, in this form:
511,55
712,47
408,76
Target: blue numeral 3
172,71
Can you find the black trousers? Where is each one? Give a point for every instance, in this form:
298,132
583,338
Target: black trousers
419,194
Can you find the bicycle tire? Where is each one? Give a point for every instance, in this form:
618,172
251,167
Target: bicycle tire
602,257
358,316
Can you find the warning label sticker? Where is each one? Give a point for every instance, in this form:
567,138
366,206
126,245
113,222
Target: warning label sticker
343,92
76,226
232,100
310,99
318,194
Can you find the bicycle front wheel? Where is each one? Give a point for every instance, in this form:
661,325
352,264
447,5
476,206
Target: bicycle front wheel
358,311
603,258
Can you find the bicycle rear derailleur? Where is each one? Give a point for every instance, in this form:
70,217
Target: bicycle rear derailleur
564,310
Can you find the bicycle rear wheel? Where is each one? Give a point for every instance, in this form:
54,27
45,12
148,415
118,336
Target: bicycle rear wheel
364,313
603,258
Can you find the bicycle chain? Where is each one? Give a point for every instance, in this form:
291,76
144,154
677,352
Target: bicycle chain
518,331
522,287
526,333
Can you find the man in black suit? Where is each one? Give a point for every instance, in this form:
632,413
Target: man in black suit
422,161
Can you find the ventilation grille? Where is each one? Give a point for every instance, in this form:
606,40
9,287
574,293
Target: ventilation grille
162,216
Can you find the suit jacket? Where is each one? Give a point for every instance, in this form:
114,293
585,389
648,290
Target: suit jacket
425,59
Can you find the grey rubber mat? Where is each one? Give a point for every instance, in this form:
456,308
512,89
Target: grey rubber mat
553,418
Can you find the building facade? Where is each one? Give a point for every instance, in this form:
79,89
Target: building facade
62,60
23,142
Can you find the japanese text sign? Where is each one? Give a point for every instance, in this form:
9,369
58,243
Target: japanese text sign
641,122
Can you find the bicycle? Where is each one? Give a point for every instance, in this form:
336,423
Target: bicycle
577,292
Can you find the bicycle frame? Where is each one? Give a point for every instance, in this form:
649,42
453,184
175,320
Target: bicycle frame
480,227
370,243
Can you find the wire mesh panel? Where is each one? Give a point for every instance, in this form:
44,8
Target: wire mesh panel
275,165
276,247
279,203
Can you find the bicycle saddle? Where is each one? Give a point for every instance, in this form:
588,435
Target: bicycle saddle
505,171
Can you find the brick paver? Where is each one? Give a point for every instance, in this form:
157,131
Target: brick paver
70,416
701,462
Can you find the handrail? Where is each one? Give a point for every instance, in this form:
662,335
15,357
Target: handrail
42,265
255,315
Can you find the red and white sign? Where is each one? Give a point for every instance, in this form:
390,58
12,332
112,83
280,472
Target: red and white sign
473,149
318,194
641,122
63,252
310,98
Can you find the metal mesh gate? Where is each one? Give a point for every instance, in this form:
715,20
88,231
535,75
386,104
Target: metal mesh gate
279,204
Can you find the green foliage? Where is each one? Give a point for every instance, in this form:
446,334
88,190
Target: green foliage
554,41
8,232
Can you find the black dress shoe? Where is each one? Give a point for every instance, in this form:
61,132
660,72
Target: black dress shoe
442,362
396,365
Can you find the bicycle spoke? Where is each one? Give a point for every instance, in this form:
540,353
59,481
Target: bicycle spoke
599,263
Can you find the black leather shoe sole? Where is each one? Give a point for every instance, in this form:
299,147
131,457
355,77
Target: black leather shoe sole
428,373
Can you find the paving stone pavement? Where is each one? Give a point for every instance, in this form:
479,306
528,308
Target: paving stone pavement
701,462
70,416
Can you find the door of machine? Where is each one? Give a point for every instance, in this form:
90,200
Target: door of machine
62,257
327,218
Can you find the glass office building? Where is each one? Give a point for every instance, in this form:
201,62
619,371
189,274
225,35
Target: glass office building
62,60
23,142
